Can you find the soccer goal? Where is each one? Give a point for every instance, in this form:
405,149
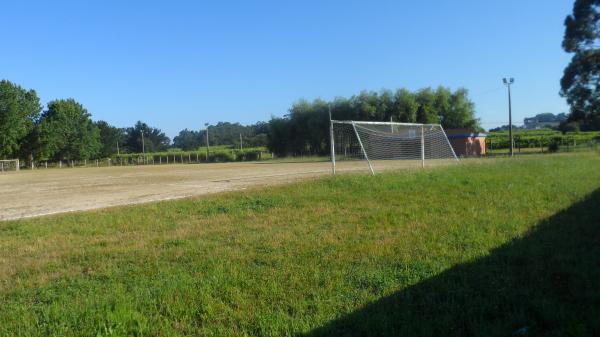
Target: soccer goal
9,165
387,145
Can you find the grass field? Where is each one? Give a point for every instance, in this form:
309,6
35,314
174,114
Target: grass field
488,248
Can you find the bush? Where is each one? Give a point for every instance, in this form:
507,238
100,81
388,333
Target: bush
247,155
220,157
554,146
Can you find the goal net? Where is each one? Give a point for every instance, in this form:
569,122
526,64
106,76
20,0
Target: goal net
9,165
385,145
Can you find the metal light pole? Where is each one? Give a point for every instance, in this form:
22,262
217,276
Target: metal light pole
207,145
508,83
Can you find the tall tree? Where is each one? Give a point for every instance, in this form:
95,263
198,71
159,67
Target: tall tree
278,139
580,83
111,139
153,139
426,112
405,106
188,140
19,111
461,112
66,131
442,103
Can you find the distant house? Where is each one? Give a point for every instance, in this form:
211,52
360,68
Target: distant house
544,120
466,143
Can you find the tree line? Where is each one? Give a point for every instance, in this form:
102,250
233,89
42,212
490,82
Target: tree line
305,129
64,130
224,133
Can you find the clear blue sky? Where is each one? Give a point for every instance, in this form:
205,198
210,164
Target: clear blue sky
179,64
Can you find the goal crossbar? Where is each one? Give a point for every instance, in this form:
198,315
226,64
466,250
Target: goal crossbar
381,123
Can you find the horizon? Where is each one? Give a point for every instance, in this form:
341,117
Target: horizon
180,66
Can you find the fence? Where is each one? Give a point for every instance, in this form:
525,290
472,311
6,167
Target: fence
134,159
541,145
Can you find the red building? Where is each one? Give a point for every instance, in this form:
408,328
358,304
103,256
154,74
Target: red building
466,143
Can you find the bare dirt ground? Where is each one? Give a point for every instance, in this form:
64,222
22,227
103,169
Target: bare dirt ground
49,191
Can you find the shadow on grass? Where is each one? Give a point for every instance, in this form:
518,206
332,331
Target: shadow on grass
546,283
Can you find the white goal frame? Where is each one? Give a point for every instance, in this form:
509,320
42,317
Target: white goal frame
442,138
8,161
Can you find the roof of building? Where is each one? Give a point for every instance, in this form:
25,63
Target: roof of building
468,135
464,133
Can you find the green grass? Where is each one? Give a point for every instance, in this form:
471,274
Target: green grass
479,249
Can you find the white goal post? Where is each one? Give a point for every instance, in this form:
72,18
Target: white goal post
9,165
388,144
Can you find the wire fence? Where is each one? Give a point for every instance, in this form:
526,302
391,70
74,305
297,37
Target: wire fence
152,159
531,145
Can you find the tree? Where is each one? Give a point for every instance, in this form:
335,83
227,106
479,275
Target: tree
460,113
188,140
366,105
442,103
580,83
405,106
426,113
66,132
110,138
19,111
153,140
278,139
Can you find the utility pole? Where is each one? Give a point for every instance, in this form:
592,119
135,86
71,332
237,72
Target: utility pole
508,83
241,143
207,145
118,148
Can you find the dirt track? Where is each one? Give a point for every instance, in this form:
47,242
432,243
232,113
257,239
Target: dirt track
48,191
